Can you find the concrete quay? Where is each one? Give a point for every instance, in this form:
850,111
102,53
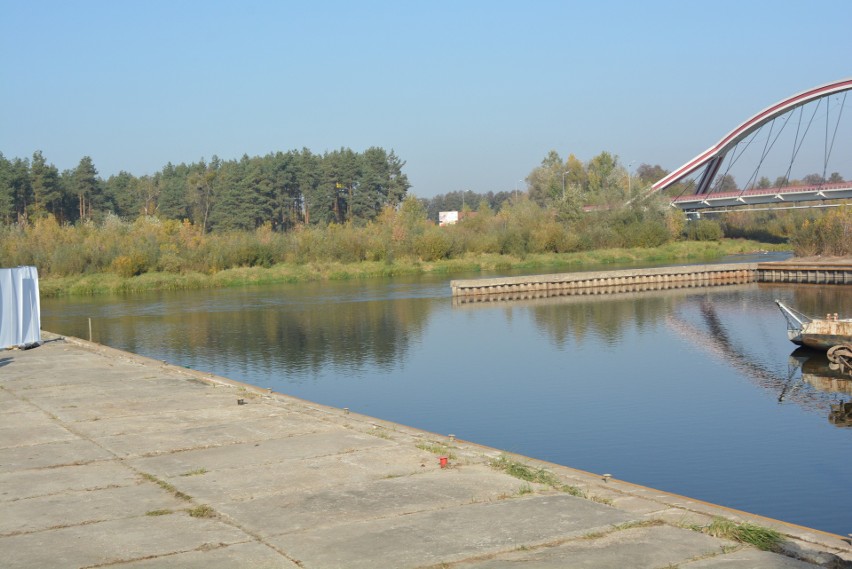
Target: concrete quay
108,459
600,282
827,270
810,270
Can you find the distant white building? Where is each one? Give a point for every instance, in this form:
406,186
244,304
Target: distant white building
448,218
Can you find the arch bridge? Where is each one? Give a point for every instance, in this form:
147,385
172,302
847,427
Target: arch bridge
780,129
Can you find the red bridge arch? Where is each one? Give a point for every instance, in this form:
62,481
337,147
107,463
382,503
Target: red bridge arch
713,156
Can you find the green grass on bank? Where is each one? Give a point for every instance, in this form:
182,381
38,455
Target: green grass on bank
110,283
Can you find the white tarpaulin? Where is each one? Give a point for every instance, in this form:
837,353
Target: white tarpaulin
20,311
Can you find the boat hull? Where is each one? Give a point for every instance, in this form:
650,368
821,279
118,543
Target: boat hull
817,333
823,334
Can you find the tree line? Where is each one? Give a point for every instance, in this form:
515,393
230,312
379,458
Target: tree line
285,189
280,189
569,184
300,208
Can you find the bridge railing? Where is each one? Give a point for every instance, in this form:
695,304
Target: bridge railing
820,192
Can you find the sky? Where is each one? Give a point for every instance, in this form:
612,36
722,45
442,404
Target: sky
470,94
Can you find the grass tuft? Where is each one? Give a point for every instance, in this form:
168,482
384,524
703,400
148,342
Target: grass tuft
166,486
381,433
202,511
752,534
573,490
441,450
524,472
159,512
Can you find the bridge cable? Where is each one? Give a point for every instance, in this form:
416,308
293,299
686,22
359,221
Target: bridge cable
799,147
766,149
786,178
833,136
686,186
735,158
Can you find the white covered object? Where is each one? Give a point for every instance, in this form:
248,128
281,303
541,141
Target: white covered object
20,310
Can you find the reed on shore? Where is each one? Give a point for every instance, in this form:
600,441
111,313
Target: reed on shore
119,256
288,272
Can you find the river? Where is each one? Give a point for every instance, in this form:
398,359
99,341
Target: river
691,391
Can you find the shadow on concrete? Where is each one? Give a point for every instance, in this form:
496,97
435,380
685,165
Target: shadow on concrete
5,361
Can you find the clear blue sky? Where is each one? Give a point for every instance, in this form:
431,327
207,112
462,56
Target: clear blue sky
471,94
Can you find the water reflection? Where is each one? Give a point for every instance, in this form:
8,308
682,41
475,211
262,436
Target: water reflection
808,382
714,337
349,336
297,332
709,319
608,321
815,370
575,320
841,414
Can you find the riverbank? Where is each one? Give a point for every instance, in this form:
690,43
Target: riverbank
109,459
111,283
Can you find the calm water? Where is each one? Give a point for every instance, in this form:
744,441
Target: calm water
693,392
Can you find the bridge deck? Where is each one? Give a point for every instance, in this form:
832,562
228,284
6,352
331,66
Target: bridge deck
791,194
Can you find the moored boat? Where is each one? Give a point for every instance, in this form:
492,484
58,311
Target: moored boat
816,333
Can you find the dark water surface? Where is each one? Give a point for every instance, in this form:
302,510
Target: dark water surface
690,391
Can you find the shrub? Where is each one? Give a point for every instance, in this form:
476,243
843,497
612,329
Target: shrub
434,244
513,242
835,232
804,241
652,233
704,230
599,236
548,237
68,259
128,265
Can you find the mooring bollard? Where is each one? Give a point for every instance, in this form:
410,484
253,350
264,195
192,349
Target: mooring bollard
443,461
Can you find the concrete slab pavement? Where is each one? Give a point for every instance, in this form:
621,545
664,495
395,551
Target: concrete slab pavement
112,460
638,548
451,535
